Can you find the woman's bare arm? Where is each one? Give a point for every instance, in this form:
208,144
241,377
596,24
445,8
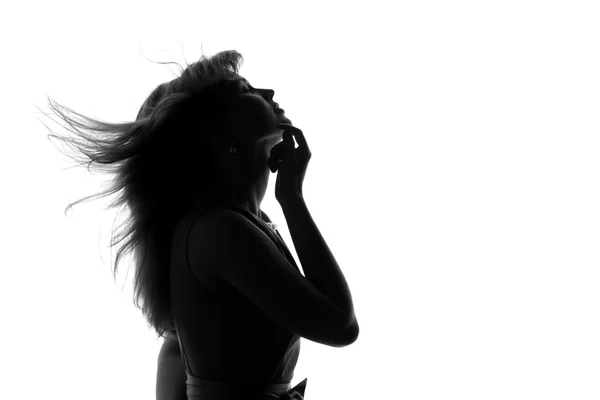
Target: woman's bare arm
170,376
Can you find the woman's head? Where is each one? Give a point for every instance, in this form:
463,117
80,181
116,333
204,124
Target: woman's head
172,156
212,109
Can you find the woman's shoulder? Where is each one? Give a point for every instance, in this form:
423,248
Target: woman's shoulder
216,215
193,215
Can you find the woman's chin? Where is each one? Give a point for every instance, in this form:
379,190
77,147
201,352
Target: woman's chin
282,119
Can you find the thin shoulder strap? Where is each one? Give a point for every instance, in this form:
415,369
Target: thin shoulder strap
184,360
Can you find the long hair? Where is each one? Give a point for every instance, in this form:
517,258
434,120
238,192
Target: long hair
159,161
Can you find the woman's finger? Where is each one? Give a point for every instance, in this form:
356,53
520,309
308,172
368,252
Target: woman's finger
298,134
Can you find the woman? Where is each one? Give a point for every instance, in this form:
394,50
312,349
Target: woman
215,277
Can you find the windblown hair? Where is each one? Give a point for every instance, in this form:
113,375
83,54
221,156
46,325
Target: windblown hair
154,159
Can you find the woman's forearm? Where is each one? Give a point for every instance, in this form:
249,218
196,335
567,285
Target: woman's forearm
318,262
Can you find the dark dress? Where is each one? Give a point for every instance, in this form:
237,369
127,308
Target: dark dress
230,349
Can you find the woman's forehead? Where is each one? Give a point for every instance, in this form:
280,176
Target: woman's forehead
241,79
232,83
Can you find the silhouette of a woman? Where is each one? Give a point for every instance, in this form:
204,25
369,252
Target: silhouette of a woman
215,277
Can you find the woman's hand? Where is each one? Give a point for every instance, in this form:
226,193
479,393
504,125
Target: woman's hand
290,162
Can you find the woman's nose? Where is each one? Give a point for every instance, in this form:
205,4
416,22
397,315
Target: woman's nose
268,93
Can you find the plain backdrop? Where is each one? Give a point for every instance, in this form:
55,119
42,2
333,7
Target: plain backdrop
455,176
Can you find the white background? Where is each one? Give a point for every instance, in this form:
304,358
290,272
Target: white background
455,176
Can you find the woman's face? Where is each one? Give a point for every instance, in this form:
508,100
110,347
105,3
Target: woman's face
253,111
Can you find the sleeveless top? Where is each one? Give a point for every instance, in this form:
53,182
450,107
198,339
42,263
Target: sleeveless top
226,342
